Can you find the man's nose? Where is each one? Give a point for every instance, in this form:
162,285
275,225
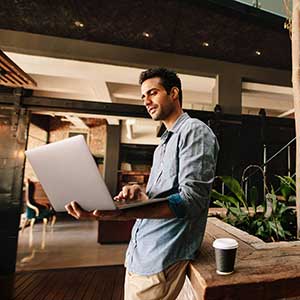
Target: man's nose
147,100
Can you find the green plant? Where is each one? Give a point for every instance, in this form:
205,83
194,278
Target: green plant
288,188
271,221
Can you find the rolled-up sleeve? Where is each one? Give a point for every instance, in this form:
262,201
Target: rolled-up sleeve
177,205
198,149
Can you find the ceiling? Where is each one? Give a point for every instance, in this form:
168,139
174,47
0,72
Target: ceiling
223,30
70,79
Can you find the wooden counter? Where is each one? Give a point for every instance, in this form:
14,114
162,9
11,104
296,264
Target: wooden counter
262,270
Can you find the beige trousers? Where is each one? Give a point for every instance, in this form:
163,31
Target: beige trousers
165,285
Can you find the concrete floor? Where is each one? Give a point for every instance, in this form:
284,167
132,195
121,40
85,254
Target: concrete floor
69,243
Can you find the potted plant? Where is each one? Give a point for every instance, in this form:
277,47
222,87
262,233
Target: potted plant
273,220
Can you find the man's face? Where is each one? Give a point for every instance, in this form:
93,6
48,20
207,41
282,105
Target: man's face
158,103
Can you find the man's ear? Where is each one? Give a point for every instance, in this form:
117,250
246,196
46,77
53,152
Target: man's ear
174,93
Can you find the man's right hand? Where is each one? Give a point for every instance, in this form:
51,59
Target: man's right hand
75,210
129,192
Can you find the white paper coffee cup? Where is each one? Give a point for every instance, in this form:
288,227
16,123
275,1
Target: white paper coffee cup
225,253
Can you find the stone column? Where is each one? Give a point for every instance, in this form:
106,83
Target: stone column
228,93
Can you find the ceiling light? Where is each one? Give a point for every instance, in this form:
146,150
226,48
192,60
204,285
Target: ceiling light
146,34
257,52
205,44
79,24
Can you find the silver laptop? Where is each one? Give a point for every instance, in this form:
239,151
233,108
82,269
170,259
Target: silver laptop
67,172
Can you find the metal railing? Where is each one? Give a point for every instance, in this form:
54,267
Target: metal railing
262,168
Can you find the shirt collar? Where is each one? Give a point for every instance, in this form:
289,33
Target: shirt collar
180,120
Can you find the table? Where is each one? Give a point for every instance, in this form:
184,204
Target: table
262,270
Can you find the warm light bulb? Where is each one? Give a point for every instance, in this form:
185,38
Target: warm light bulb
146,34
79,24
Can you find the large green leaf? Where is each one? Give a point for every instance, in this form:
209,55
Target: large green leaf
225,198
277,229
284,209
237,212
220,203
285,191
291,182
287,186
262,231
234,186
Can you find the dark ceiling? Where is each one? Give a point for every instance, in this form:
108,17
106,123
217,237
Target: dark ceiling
234,31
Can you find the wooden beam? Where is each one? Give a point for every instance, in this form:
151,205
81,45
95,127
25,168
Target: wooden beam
105,108
12,75
296,90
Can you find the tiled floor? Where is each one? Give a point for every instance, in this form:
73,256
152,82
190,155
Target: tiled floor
70,243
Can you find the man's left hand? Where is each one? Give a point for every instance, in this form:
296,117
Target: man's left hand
105,215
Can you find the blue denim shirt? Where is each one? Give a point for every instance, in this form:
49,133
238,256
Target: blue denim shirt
183,170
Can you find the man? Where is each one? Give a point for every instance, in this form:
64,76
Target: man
166,235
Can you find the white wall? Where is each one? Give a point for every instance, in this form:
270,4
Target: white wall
143,131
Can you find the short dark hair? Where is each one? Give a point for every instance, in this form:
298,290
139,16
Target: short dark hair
168,79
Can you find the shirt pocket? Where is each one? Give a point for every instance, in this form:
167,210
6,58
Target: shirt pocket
169,165
170,160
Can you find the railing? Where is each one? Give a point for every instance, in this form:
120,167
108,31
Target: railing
259,168
262,168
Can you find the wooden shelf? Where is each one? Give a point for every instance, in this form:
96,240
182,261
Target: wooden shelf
132,177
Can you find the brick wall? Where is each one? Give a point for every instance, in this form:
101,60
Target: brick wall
59,130
36,137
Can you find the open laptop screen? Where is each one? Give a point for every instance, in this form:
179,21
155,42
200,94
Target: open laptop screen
67,172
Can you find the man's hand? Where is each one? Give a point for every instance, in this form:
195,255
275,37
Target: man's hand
130,192
75,210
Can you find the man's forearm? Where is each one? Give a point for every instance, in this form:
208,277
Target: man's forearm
159,210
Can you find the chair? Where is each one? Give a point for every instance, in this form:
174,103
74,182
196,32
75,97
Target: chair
36,211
